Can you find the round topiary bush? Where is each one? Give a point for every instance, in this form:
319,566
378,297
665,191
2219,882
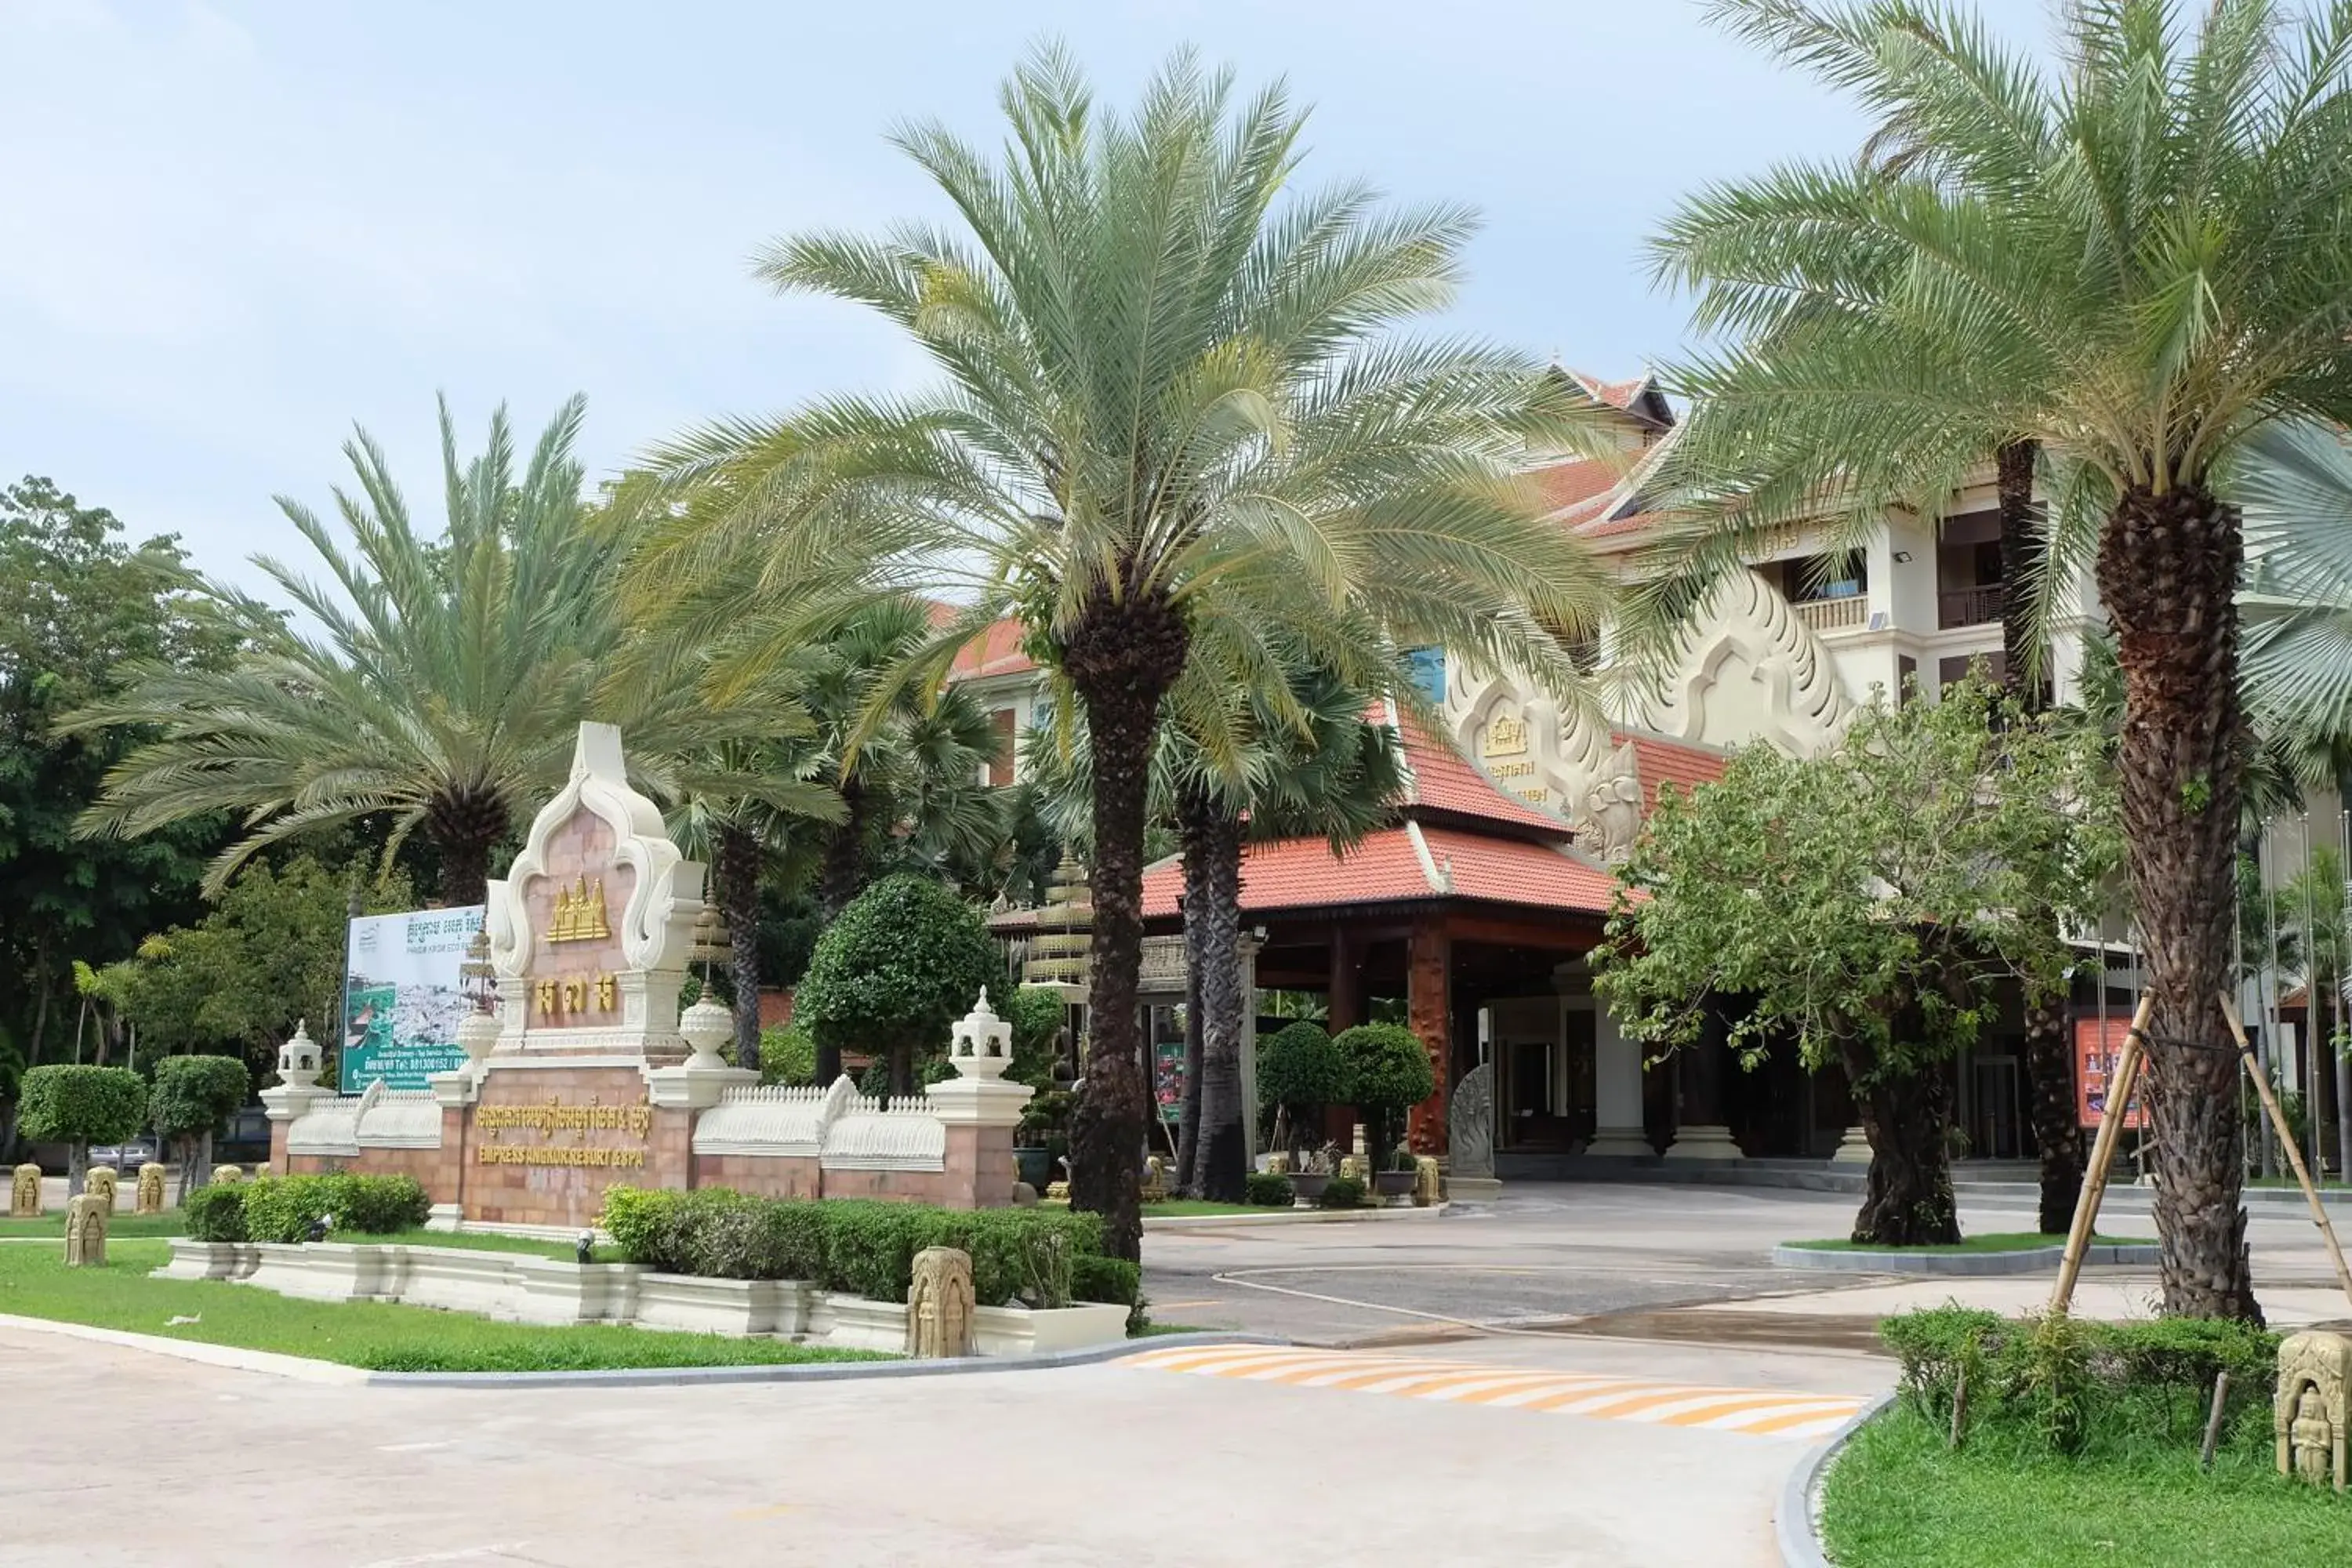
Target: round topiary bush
1388,1074
1300,1071
905,961
79,1106
192,1096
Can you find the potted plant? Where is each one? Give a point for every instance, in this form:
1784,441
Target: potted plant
1396,1181
1042,1135
1314,1174
1298,1073
1388,1073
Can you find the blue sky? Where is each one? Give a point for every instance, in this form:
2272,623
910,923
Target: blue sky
242,227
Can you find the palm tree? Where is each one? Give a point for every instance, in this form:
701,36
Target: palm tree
442,688
2133,267
1171,404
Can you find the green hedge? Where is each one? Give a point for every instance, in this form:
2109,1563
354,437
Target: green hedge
864,1246
1270,1190
1342,1193
217,1212
2060,1385
284,1208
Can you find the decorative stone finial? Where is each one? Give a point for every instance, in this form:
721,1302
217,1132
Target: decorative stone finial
707,1026
477,1034
298,1058
981,1045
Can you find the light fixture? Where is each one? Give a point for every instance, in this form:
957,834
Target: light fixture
1903,558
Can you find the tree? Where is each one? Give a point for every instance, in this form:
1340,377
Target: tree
906,961
1861,908
2133,267
443,693
79,1106
192,1096
77,603
1173,410
1385,1073
1298,1073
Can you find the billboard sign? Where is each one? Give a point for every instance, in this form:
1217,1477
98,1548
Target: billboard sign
2097,1042
402,996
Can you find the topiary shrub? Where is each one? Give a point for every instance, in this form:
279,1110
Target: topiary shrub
1388,1073
79,1106
787,1057
216,1214
1301,1072
379,1205
870,1246
1342,1193
904,961
285,1208
1270,1190
192,1097
1038,1016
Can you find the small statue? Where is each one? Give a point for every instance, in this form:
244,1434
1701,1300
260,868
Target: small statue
1155,1180
149,1195
85,1221
25,1194
1428,1186
227,1175
2308,1414
939,1303
100,1181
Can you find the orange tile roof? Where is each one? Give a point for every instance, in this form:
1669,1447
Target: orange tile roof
1662,760
1576,483
1303,873
1443,782
995,651
1616,394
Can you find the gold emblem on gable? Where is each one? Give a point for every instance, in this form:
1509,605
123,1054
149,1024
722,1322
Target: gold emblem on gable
579,913
1504,737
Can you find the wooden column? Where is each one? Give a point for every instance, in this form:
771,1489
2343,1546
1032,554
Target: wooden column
1429,1011
1344,994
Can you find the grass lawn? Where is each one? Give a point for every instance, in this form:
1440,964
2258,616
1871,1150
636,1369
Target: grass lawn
1991,1241
1898,1499
169,1223
1175,1207
483,1241
380,1337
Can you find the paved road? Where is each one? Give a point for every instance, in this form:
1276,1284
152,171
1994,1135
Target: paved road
1453,1460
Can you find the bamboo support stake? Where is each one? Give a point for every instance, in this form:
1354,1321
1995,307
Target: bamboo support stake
2120,1083
2213,1420
2294,1154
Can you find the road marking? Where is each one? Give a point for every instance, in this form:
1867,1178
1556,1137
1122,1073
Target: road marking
1754,1412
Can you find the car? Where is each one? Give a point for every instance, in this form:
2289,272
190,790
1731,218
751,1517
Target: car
126,1158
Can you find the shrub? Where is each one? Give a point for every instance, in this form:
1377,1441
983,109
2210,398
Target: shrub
284,1208
1388,1073
1038,1016
1094,1277
870,1246
1299,1069
1015,1253
1342,1193
217,1212
1270,1190
787,1057
905,960
632,1217
379,1205
81,1106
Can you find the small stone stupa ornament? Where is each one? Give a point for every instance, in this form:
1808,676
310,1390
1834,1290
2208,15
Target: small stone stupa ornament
298,1058
980,1044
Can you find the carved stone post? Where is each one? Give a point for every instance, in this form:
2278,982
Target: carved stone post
100,1181
939,1303
150,1188
25,1193
978,1110
86,1222
2309,1414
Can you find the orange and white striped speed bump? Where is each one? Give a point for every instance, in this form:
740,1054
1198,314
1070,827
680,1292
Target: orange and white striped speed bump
1758,1412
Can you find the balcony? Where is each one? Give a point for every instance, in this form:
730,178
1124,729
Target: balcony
1969,606
1840,614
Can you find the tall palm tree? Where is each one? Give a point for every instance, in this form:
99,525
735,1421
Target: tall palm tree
1171,401
2133,266
441,689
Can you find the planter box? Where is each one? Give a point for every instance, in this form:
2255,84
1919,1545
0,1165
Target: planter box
461,1279
725,1306
193,1260
855,1324
326,1270
1306,1186
555,1291
1018,1331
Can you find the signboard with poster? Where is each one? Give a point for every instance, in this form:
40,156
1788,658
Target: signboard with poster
403,997
2097,1042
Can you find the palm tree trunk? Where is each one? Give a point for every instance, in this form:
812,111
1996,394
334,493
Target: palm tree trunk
465,828
1121,657
2049,1056
1221,1169
844,856
736,851
2168,567
1188,1116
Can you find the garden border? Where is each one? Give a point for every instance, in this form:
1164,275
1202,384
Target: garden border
2020,1260
1796,1527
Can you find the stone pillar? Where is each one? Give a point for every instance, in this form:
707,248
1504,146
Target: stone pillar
1617,1090
1854,1149
297,1090
1343,995
1699,1129
978,1110
1429,1007
1250,944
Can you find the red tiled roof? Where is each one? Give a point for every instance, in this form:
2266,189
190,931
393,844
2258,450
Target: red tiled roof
995,651
1303,873
1671,762
1443,782
1609,527
1616,394
1576,483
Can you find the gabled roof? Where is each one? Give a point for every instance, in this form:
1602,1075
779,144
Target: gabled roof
1639,397
1440,786
1410,863
995,651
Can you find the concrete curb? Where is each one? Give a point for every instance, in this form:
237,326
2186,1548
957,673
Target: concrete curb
1288,1216
818,1372
302,1369
2023,1260
1794,1527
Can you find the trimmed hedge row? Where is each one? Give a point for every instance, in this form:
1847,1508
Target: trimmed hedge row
1037,1256
285,1208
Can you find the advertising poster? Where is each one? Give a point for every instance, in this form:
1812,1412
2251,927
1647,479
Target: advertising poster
1167,1080
402,996
2097,1042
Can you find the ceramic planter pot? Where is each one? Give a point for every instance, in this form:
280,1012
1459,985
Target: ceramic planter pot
1394,1184
1036,1167
1309,1186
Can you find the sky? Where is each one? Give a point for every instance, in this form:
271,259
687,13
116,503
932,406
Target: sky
244,228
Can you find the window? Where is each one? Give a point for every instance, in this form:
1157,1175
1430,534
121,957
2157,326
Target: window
1813,578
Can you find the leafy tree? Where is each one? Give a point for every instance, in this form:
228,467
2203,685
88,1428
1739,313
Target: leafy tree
77,603
1039,1017
1861,906
1299,1072
192,1097
2132,267
79,1106
1387,1074
444,689
1173,415
787,1057
906,960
